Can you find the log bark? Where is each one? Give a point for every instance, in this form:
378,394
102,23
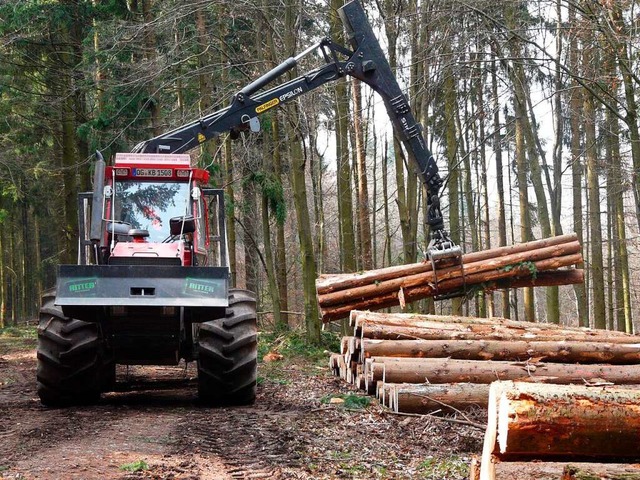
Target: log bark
445,331
543,279
539,421
358,317
474,468
475,269
334,363
559,351
610,472
528,264
372,371
426,398
413,293
558,471
331,283
443,370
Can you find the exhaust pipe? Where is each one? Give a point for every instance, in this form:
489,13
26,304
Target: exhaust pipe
97,204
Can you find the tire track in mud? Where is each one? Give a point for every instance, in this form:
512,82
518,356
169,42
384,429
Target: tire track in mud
253,443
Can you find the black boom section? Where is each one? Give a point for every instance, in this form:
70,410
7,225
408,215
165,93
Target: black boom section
369,64
243,109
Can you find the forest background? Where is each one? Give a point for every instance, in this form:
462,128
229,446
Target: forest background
325,187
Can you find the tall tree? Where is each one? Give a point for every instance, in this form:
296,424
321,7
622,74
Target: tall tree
298,183
497,150
593,192
342,121
363,189
575,114
451,134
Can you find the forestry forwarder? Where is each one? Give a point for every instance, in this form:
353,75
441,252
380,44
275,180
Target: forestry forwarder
152,283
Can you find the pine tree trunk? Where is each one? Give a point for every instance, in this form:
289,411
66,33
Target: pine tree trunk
205,84
270,268
386,254
306,242
230,213
575,102
523,196
69,163
4,252
497,151
299,187
280,254
593,189
451,134
631,107
281,249
517,77
150,49
363,194
345,201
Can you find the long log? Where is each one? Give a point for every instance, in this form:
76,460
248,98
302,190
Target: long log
425,398
553,278
333,282
539,470
444,331
559,351
530,331
539,421
471,270
608,471
443,370
414,293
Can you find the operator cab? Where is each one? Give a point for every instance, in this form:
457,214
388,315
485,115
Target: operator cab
149,207
154,211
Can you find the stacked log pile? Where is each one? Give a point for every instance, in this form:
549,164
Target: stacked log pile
553,394
538,263
423,363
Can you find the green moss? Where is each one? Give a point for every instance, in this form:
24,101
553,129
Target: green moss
444,468
138,466
533,270
293,344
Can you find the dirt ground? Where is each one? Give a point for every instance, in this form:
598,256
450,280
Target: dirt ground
159,431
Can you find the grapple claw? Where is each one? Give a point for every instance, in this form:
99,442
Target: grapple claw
442,250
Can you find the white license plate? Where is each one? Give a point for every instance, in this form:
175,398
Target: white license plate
153,172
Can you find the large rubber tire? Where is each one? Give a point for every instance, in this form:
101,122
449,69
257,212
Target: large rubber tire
69,362
227,354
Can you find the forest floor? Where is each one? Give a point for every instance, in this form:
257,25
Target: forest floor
292,431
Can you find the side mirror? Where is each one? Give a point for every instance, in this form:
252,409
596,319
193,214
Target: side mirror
176,225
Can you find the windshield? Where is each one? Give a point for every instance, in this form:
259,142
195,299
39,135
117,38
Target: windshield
150,205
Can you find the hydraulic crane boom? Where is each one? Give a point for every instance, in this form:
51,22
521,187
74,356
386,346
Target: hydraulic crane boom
365,61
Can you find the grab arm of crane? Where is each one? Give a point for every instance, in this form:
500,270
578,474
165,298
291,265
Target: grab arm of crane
365,61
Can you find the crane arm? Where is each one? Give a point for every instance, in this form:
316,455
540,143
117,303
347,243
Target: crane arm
365,61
